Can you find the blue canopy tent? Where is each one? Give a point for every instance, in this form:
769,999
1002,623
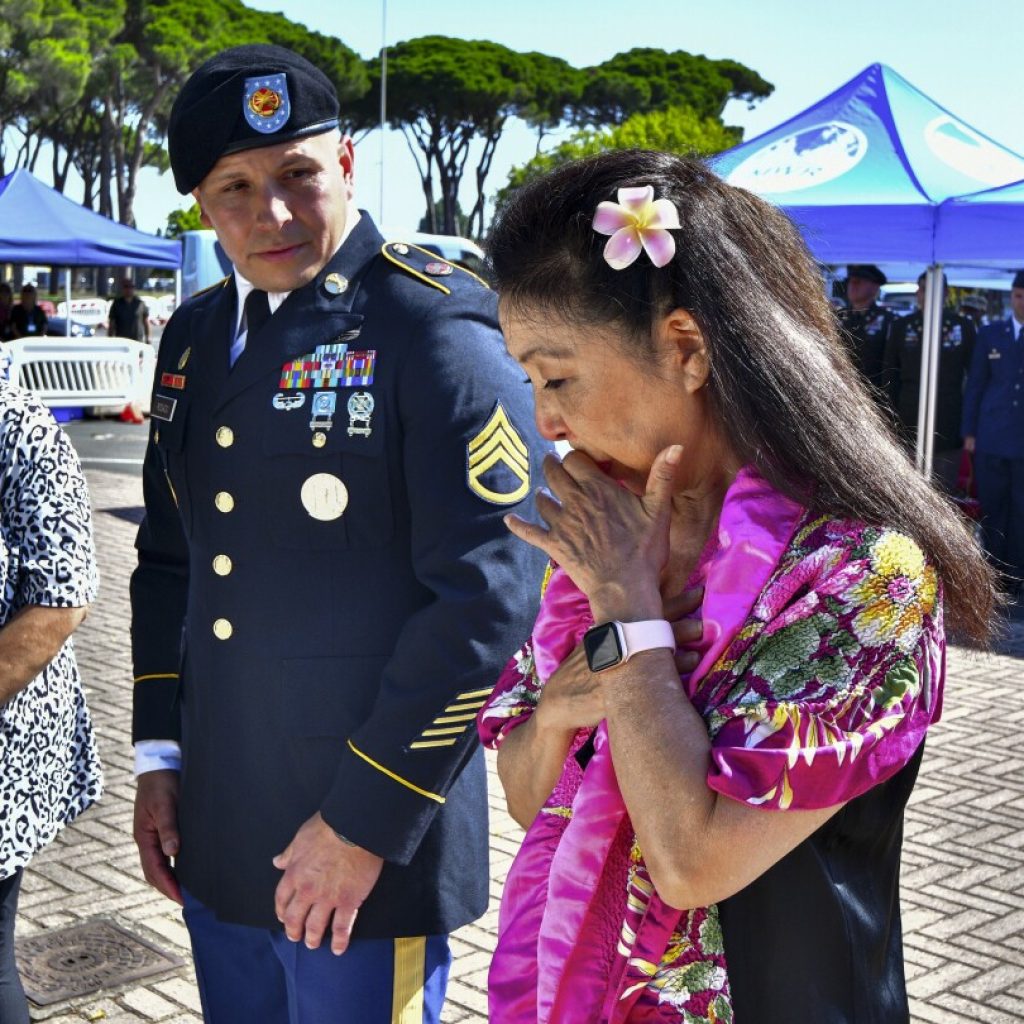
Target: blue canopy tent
985,229
39,225
862,173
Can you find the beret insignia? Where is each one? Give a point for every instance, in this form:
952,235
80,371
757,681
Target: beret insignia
265,103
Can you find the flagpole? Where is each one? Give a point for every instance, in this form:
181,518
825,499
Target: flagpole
383,98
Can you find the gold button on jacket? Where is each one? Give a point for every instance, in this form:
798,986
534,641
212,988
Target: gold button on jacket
224,501
222,629
225,437
222,565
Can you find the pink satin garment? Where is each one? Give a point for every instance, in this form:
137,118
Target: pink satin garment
563,907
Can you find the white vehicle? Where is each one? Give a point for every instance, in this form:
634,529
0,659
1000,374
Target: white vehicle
160,308
94,312
203,262
453,248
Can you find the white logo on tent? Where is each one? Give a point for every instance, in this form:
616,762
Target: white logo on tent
803,159
963,149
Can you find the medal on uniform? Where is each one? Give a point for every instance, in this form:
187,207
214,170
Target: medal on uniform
173,380
286,402
324,496
324,404
360,409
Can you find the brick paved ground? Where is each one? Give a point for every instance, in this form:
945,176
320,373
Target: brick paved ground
963,864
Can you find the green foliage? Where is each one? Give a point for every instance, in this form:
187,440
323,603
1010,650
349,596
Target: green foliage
96,78
44,65
672,130
553,90
182,220
675,130
444,95
648,79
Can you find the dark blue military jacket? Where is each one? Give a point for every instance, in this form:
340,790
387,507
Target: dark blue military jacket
867,333
903,374
326,591
994,400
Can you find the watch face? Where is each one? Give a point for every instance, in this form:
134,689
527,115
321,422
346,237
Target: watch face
601,645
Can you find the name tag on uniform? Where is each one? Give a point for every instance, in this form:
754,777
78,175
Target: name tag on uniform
995,354
163,407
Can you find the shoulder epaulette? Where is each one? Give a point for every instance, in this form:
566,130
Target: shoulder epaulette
424,265
212,287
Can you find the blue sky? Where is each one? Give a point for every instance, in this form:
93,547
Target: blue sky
968,58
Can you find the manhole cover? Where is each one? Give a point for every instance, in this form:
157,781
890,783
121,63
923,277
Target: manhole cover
97,954
133,513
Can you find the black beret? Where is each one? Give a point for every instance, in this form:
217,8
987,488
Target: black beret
1018,279
867,272
242,98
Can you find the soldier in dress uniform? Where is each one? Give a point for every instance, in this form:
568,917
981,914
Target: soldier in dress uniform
902,369
866,325
326,591
993,428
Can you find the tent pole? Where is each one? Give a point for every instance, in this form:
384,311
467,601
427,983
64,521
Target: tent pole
931,345
177,287
67,301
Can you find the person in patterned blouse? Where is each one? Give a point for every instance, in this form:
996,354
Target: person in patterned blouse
713,731
49,768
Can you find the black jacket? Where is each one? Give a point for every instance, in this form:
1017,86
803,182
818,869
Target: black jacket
903,375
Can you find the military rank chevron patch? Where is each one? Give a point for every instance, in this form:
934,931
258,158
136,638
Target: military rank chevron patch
498,461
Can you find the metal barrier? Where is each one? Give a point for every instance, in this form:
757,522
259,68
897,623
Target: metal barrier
96,372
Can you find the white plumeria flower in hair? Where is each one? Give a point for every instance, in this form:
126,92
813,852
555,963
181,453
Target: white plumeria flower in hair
637,221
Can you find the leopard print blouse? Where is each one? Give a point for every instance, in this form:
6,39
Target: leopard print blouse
49,768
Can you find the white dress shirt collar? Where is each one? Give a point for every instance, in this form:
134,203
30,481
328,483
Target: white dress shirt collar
243,286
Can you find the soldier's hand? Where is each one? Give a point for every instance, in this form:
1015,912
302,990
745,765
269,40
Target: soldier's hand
969,444
156,829
325,883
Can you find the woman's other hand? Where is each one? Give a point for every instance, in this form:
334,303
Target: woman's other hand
572,698
688,629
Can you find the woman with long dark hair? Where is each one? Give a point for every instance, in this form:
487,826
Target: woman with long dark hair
713,799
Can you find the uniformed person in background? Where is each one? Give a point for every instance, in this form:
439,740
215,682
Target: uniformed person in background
902,369
866,325
975,308
993,428
326,591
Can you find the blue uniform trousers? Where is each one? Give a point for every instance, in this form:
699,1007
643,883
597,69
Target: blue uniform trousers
1001,493
259,975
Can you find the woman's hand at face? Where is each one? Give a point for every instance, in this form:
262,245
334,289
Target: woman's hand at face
612,543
